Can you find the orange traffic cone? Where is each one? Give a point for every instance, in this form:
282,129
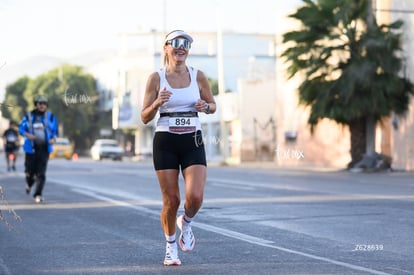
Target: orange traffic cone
75,156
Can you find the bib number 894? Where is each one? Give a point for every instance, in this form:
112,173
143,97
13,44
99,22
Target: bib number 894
182,122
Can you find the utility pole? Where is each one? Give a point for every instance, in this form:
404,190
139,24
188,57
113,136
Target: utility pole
164,16
221,88
61,80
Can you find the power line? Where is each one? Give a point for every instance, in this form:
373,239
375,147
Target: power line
394,11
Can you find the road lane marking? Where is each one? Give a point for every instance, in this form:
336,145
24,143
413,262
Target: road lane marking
308,198
116,202
270,244
135,200
238,187
234,234
270,185
77,205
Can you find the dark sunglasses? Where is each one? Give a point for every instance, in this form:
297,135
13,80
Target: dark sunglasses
178,42
42,103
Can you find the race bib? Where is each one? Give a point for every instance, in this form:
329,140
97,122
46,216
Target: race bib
11,138
38,126
182,124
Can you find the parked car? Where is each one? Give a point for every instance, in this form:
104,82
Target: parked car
106,148
62,148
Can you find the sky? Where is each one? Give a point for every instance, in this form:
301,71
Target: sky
66,28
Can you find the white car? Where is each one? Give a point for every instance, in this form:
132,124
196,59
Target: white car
106,148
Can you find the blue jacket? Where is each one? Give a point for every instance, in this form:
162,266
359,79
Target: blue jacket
27,127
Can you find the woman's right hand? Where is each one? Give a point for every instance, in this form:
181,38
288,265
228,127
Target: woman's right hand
163,97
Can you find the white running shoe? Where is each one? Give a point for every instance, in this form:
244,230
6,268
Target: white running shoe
187,240
171,254
38,199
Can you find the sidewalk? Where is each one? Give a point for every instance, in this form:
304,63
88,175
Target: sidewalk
270,165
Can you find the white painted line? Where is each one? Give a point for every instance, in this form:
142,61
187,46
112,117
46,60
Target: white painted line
232,234
266,243
270,185
116,202
235,235
102,190
232,186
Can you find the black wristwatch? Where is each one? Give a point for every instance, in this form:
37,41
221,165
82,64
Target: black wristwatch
207,108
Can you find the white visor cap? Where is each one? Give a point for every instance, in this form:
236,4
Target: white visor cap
178,33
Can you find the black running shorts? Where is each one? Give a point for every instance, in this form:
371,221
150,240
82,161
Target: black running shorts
170,151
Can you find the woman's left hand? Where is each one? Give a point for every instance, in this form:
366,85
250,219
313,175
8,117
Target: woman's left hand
201,105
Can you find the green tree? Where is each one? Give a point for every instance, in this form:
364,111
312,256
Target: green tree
214,86
14,105
351,66
72,97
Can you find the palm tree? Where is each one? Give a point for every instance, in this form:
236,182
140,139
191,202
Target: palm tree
351,66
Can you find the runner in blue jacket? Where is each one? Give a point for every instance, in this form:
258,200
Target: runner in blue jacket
39,129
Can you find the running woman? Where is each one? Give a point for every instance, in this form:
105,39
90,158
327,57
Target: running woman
178,92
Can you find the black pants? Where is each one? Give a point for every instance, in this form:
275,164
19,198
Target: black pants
11,149
35,169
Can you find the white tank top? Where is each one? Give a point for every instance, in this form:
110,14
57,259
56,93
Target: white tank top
182,100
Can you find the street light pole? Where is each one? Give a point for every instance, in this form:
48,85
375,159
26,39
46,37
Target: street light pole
221,88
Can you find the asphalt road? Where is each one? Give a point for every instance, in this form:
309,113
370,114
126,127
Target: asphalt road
103,218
